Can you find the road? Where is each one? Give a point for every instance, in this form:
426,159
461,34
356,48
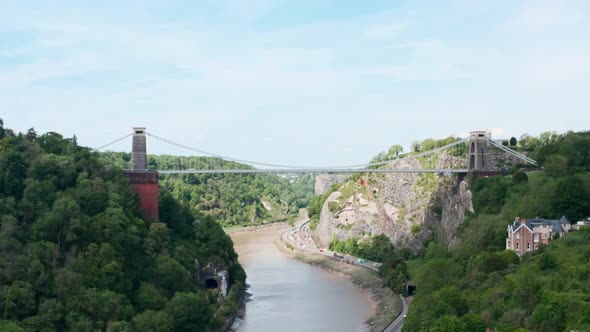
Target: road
398,323
300,238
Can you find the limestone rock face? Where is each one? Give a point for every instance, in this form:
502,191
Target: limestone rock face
408,208
323,182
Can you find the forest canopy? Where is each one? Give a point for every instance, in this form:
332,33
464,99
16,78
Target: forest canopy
76,256
230,199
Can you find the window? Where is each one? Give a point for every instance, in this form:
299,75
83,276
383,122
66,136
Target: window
528,246
536,238
517,246
518,236
544,235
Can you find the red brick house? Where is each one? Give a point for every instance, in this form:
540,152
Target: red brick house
526,235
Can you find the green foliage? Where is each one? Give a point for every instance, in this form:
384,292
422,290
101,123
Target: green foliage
491,195
152,321
314,208
416,228
477,284
571,198
556,165
75,256
230,199
333,206
519,177
513,141
377,249
188,312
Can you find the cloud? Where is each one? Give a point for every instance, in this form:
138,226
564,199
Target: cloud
388,29
220,77
548,16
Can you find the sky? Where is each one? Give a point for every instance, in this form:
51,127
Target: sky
303,83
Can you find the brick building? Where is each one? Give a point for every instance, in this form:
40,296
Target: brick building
526,235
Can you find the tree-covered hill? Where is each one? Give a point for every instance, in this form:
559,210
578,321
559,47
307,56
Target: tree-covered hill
76,256
231,199
477,284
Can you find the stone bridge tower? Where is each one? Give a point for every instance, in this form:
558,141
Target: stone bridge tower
478,152
144,181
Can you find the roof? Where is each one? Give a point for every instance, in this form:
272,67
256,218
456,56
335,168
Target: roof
531,223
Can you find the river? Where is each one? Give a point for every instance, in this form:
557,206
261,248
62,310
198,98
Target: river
288,295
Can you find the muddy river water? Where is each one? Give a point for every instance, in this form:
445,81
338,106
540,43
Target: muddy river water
288,295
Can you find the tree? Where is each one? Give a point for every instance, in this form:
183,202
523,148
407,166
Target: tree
513,141
416,146
60,224
571,199
170,275
556,165
395,150
448,323
520,177
548,137
547,261
1,129
13,172
150,297
102,306
152,321
17,300
189,311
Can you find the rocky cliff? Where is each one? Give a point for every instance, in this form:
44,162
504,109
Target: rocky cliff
408,208
323,182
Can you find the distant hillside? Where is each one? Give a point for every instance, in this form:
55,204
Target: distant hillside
76,256
230,199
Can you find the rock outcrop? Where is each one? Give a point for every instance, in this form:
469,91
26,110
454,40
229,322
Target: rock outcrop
408,208
323,182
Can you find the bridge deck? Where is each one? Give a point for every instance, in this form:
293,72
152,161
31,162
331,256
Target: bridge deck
312,170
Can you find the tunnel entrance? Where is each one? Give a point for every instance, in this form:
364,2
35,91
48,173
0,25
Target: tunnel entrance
211,284
411,290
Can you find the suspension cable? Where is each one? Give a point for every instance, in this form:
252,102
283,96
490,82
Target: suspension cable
512,152
111,143
218,155
300,167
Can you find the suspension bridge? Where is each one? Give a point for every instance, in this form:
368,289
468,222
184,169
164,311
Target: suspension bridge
477,158
478,161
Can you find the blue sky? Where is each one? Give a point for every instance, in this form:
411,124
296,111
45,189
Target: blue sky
312,83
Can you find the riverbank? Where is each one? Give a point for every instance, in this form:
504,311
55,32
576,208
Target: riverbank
386,305
290,296
236,229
